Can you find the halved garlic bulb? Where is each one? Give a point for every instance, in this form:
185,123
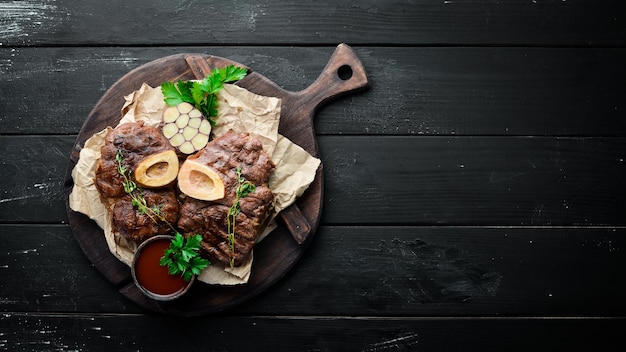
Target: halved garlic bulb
186,128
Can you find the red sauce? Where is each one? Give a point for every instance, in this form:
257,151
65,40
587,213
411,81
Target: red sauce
154,277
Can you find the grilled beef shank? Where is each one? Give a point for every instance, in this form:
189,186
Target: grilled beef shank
224,155
136,141
139,226
209,218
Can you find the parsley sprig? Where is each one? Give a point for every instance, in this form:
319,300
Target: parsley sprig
202,94
182,257
243,189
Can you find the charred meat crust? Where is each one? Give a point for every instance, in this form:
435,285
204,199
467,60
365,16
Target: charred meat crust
136,141
138,226
224,154
209,219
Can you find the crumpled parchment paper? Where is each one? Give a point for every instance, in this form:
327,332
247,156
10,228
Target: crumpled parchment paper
239,110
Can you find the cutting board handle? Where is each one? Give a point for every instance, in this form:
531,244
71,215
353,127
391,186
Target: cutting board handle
344,73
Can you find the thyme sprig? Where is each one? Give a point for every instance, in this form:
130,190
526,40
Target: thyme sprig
244,187
137,198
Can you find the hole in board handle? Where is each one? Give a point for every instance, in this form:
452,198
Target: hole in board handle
344,72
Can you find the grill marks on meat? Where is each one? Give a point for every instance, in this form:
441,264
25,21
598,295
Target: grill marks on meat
231,150
136,141
138,226
210,219
224,155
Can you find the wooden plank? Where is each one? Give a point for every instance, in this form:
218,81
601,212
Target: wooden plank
23,332
396,180
32,174
474,180
363,270
422,22
415,91
43,269
454,271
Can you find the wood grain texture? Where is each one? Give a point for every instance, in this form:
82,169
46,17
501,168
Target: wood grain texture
111,332
44,269
454,271
32,178
419,22
363,271
415,90
390,180
474,180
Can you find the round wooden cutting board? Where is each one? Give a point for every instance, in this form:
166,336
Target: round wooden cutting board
279,251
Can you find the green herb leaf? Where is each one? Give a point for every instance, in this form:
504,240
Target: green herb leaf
232,73
183,258
178,242
176,93
171,94
187,275
243,189
197,264
197,94
202,94
187,254
194,241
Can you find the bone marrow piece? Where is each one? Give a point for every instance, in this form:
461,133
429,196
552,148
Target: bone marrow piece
157,170
209,218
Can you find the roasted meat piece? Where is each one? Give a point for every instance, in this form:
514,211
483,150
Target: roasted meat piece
136,141
230,151
138,226
209,218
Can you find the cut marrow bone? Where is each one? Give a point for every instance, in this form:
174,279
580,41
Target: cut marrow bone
199,181
157,170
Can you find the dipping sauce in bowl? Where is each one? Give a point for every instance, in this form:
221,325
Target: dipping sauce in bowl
153,279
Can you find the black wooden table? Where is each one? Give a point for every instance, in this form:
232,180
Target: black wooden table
475,195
